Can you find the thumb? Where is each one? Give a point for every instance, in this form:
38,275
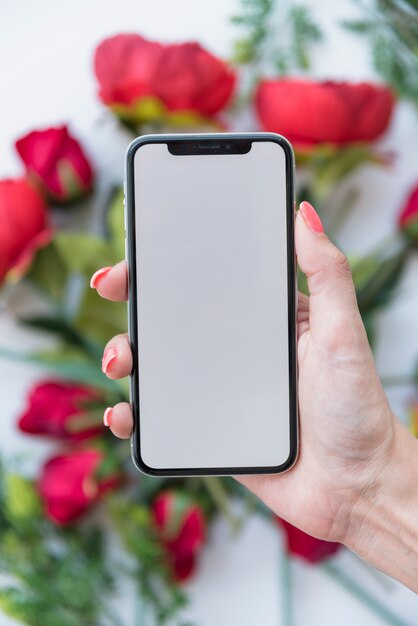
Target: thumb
334,318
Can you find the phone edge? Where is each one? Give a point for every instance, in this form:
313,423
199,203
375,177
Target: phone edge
130,253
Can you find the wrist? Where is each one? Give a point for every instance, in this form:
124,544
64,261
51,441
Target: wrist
383,520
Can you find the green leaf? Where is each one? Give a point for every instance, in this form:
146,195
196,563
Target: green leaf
375,279
70,363
66,331
100,319
302,283
82,252
48,272
21,500
117,224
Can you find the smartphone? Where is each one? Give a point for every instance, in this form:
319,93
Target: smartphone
212,303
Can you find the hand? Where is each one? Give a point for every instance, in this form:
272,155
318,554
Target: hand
348,431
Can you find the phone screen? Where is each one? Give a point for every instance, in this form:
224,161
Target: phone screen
212,307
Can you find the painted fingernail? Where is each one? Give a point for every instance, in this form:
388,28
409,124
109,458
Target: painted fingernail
109,356
311,217
97,276
107,417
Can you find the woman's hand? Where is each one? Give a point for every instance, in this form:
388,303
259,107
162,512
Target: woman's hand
350,440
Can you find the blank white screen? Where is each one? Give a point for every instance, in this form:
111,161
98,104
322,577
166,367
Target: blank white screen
212,308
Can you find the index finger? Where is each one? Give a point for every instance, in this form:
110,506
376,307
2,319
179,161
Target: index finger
112,282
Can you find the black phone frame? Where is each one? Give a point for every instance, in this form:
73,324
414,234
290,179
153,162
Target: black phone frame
201,142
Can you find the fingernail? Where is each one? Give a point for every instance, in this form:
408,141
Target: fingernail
107,417
109,356
98,275
311,217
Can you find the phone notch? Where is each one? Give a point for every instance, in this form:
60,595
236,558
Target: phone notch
209,146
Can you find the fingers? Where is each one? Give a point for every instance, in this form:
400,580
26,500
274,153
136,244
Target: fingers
334,317
112,282
117,357
119,419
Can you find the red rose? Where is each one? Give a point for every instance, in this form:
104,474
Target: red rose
181,525
408,219
309,112
125,66
55,407
57,163
23,225
146,81
191,79
69,484
309,548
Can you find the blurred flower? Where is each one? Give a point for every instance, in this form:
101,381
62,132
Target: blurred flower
62,411
23,226
69,484
145,81
309,548
181,525
308,112
125,66
408,218
57,163
192,79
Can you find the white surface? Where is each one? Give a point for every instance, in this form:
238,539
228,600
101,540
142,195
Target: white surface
45,67
212,308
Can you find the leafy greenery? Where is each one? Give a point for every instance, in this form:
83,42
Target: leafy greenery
133,522
53,575
278,35
391,27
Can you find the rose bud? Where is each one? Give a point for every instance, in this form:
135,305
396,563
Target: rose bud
408,218
299,543
23,226
57,164
144,81
181,525
308,112
69,484
63,411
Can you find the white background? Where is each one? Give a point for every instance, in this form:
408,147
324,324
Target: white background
46,78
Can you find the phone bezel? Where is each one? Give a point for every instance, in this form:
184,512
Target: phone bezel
201,138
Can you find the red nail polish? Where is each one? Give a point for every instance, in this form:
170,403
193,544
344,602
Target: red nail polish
311,217
110,355
97,276
107,417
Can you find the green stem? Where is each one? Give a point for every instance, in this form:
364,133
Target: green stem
286,580
221,499
350,585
